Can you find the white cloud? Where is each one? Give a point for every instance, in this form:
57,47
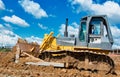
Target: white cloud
10,10
34,39
74,24
33,8
16,20
2,6
7,25
73,29
116,43
116,35
1,26
109,8
7,37
42,27
115,31
51,15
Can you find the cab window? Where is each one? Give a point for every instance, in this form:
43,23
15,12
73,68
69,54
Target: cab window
82,33
95,27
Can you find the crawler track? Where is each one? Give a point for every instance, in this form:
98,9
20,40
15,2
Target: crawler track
81,60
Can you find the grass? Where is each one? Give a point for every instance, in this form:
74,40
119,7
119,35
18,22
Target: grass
4,49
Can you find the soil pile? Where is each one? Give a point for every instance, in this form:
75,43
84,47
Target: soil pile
8,68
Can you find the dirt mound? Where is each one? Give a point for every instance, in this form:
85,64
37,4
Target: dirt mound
21,41
116,59
6,58
8,68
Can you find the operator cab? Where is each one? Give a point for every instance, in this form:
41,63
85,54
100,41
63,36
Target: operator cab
94,32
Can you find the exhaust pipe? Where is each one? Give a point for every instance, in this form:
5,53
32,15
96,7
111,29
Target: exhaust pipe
66,32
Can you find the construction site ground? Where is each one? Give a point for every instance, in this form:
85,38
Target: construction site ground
8,68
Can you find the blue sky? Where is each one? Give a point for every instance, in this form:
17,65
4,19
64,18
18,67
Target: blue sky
31,19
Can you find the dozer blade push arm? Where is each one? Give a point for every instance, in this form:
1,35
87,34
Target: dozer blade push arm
46,41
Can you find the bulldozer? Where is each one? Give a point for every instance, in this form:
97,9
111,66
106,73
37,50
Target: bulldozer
88,51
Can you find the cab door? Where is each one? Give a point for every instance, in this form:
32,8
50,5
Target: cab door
95,33
81,41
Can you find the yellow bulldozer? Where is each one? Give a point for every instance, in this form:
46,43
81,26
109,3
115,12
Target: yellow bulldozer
88,51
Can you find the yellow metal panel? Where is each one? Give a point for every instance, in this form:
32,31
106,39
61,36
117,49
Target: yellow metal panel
67,48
